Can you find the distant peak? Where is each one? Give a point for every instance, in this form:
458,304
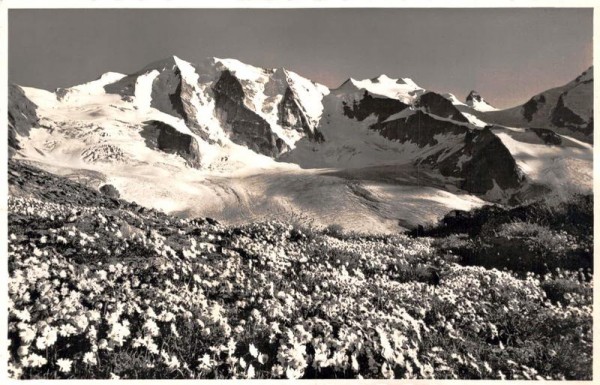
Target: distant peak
347,83
382,78
474,96
477,102
407,81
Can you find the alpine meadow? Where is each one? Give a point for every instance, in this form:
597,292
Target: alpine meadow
216,219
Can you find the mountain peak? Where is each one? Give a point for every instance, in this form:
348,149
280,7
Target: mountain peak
382,78
474,96
477,102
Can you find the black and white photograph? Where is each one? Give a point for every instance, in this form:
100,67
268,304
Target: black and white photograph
318,192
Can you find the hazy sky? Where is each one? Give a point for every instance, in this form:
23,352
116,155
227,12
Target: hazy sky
506,54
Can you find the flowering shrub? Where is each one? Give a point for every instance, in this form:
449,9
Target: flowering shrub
99,292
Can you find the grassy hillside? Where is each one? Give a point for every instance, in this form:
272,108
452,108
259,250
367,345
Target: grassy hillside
102,288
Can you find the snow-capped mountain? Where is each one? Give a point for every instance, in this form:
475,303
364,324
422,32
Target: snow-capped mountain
566,110
238,142
477,102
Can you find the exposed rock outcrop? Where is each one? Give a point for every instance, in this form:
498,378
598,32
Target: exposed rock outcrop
419,128
245,126
562,116
382,107
478,157
473,97
22,116
168,139
532,106
436,104
548,136
291,116
487,163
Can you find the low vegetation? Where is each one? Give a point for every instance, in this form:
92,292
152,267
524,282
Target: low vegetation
102,288
538,237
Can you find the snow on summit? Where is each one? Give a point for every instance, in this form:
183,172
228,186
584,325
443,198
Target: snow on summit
477,102
403,89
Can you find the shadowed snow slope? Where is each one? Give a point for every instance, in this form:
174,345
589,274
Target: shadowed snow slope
240,143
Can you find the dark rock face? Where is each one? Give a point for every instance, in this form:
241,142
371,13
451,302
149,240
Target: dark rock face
562,116
166,93
245,126
22,116
124,86
438,105
532,106
110,191
291,116
481,159
548,136
167,138
382,107
419,128
490,161
474,96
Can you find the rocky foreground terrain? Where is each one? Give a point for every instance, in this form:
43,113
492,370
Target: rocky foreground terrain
103,288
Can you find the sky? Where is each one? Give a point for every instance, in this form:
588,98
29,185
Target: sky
507,55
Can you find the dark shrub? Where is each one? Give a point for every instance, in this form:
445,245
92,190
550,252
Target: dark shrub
110,191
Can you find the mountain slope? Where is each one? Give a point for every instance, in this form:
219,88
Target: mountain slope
567,109
239,143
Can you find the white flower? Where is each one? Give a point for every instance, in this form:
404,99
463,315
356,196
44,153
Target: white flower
355,365
253,351
277,370
64,364
263,358
23,315
171,361
293,374
27,334
251,372
47,339
151,328
94,315
204,362
35,361
119,332
89,358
